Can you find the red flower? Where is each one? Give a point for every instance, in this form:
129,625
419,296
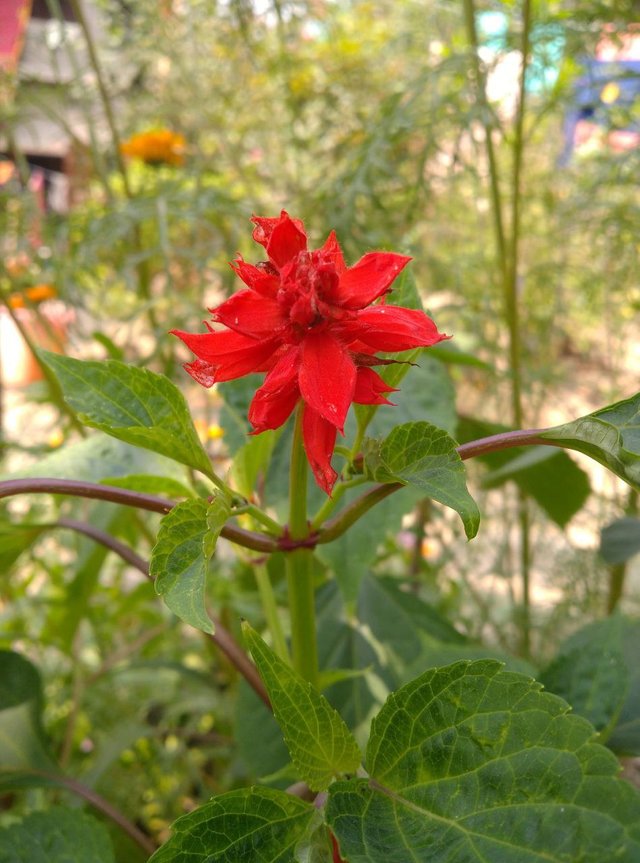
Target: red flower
303,320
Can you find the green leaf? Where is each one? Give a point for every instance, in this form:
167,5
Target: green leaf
590,673
180,558
14,539
150,484
58,835
625,737
470,763
610,435
351,556
425,456
319,742
97,457
252,460
22,740
548,475
132,404
251,825
620,540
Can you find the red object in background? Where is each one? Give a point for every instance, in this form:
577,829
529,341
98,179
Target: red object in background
14,17
336,852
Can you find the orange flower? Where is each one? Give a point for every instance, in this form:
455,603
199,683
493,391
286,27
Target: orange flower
156,147
34,294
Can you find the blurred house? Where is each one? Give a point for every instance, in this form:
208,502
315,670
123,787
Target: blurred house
50,115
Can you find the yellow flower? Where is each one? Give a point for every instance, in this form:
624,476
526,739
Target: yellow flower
156,147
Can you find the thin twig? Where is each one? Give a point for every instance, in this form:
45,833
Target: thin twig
150,502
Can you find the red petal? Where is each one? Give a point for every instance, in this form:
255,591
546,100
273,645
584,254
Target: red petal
287,240
332,250
230,355
252,315
392,328
370,388
202,372
264,227
259,281
327,376
319,440
276,398
371,277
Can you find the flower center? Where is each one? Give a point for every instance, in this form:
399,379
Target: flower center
307,292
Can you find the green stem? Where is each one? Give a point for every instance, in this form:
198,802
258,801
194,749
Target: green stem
299,564
270,608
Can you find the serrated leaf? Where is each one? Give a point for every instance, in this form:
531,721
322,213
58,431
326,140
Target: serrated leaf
610,435
180,558
470,764
132,404
252,825
319,742
425,456
58,835
22,739
590,673
620,540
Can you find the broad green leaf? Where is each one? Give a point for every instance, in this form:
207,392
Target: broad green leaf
548,475
251,825
57,835
351,556
590,673
620,540
257,735
470,763
610,435
14,539
319,742
625,737
97,457
150,484
252,460
425,456
132,404
237,396
180,558
22,739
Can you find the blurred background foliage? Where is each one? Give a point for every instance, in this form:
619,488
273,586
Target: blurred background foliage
363,117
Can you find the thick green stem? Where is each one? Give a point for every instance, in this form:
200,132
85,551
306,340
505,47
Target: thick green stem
304,648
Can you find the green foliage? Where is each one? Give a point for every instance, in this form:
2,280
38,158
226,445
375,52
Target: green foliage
319,742
22,740
58,835
131,404
548,476
239,827
610,435
620,540
590,673
425,456
470,763
180,559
